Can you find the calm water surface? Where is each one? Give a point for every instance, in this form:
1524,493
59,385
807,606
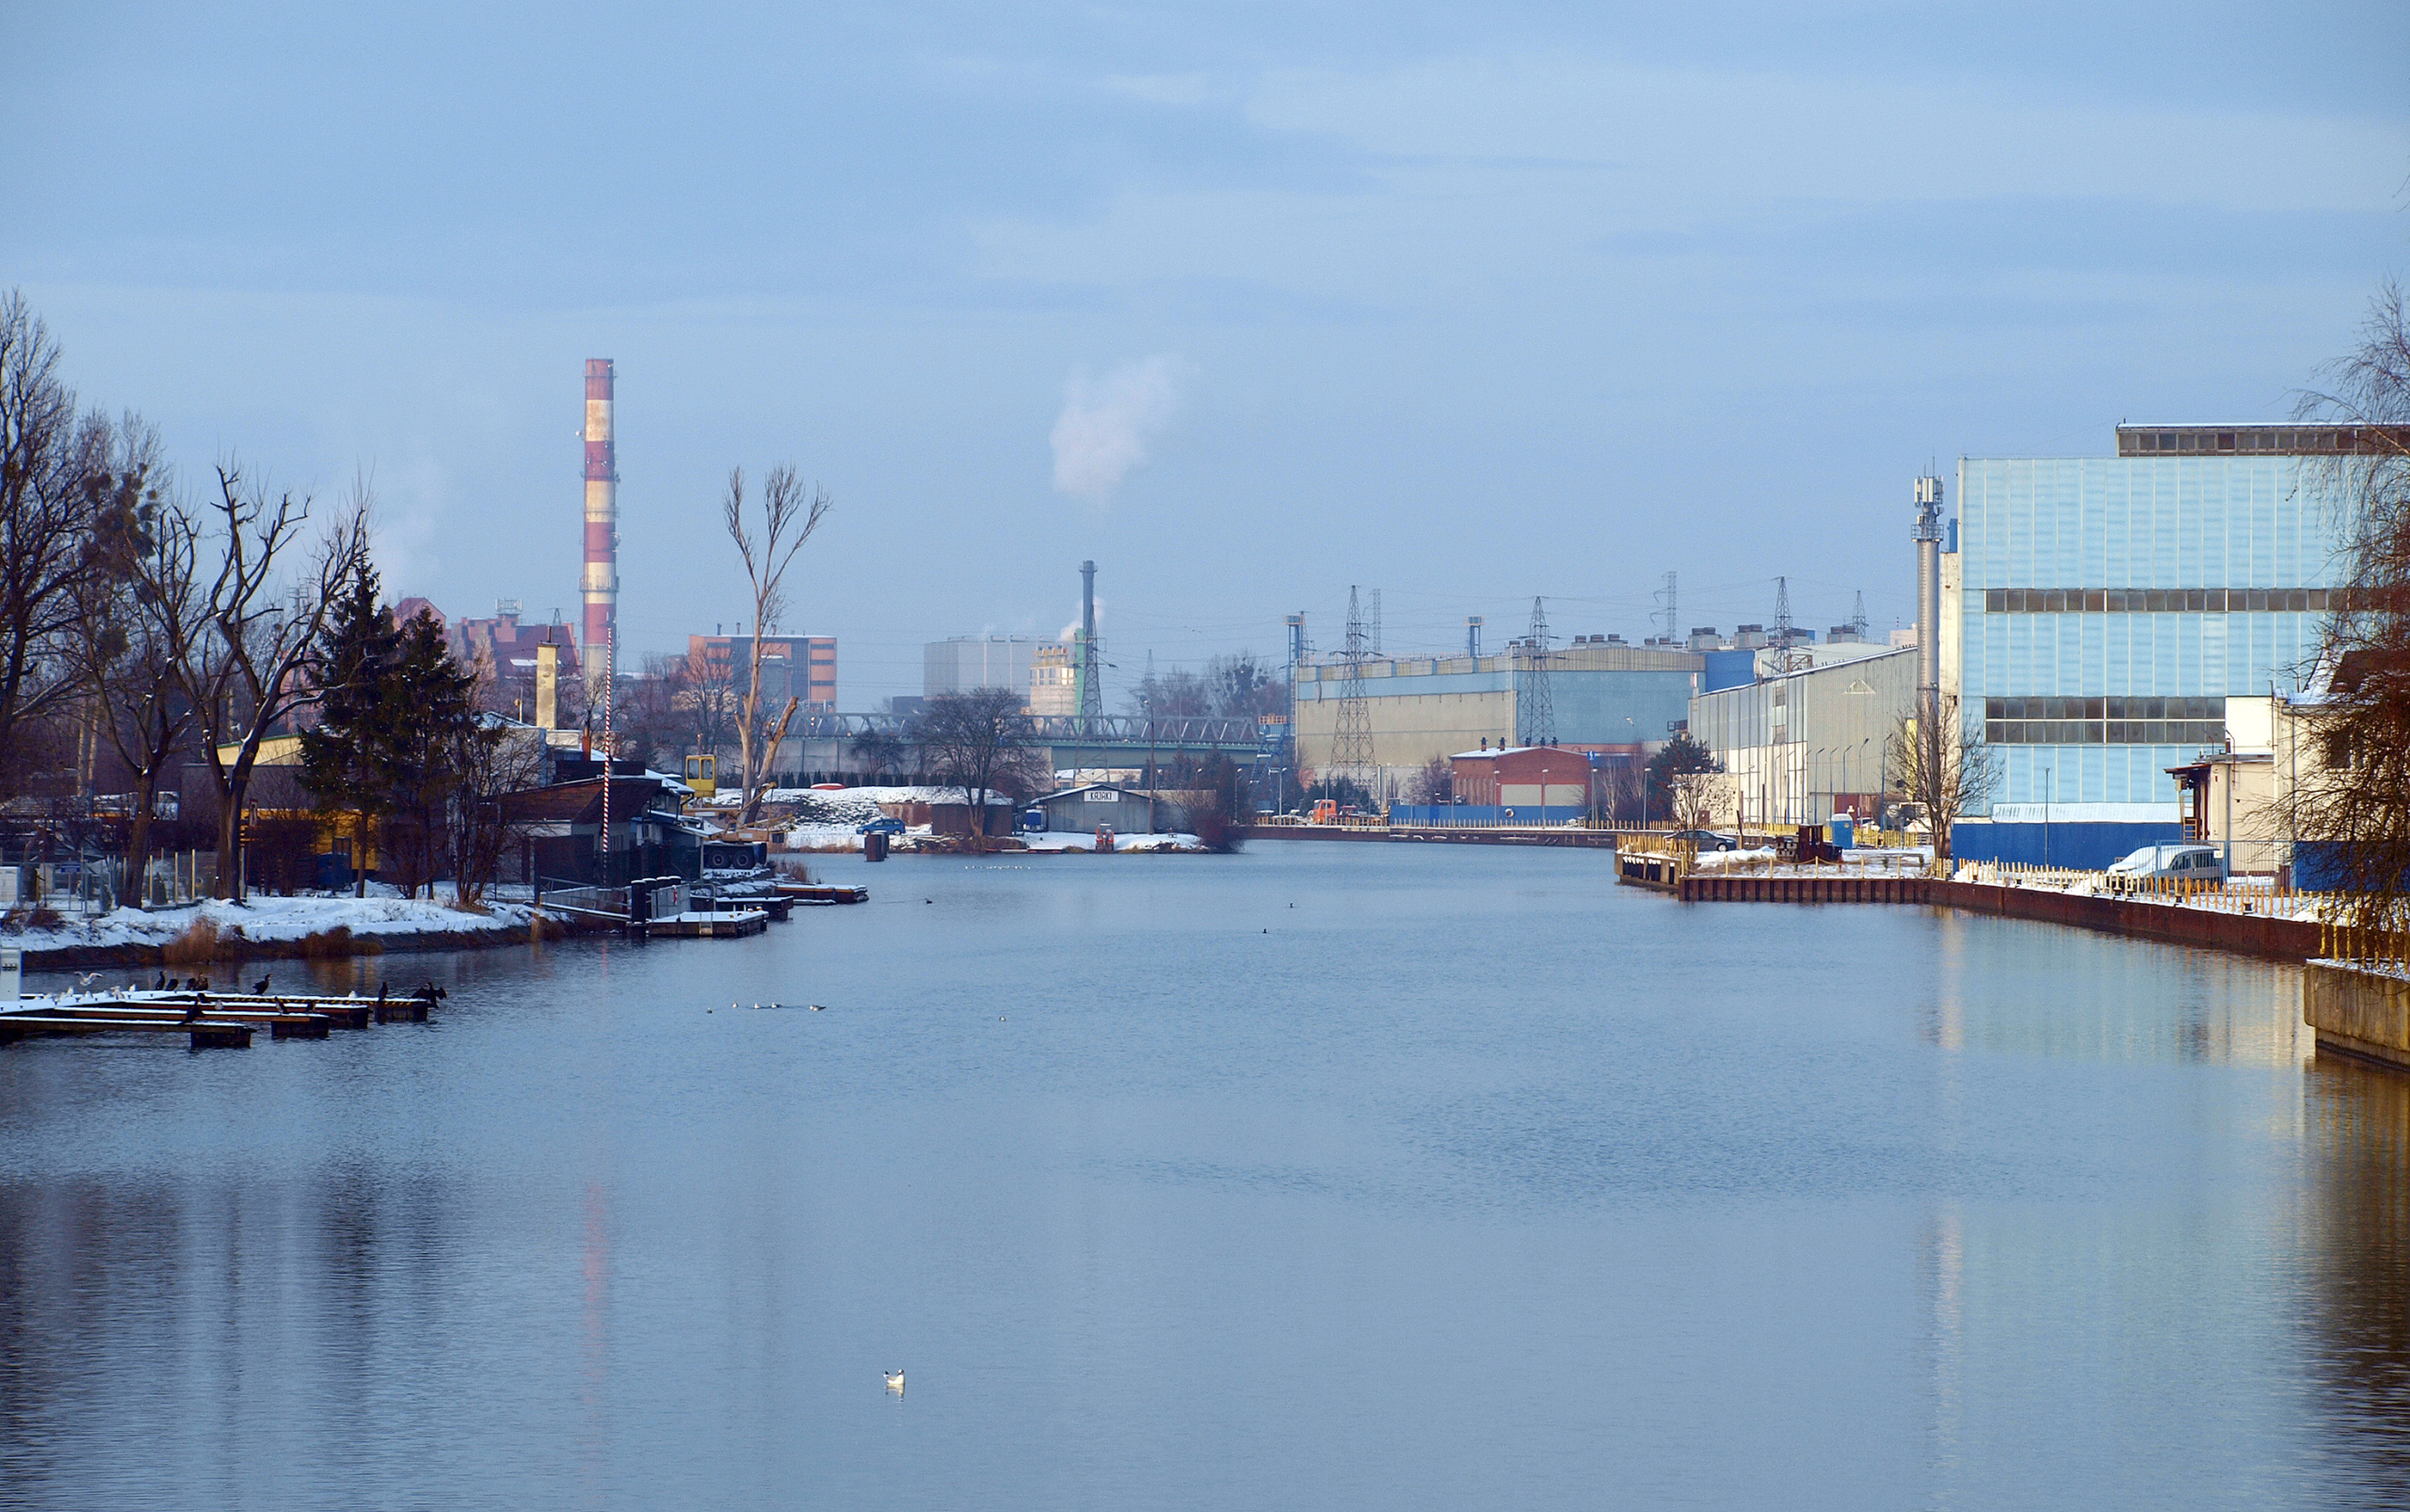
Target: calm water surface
1320,1176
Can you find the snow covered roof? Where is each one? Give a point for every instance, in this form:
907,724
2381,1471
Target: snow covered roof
1509,751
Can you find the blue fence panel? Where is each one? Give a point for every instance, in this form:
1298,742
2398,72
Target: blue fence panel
2084,847
1479,816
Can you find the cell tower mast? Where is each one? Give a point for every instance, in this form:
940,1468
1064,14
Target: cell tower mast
1351,752
1535,702
1927,534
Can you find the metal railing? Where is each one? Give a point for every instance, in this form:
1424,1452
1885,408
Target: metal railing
576,897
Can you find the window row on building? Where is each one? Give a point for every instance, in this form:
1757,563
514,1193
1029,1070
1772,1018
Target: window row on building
2156,600
2103,733
2134,441
2105,708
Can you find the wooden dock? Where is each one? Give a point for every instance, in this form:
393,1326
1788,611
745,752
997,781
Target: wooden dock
819,892
718,923
214,1021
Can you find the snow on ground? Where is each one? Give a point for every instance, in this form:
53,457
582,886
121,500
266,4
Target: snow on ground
825,838
1868,859
1059,840
276,919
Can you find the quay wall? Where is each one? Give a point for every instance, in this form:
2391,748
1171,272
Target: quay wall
1556,835
2255,934
2358,1012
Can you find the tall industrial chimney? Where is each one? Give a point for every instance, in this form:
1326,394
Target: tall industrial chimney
1091,682
602,583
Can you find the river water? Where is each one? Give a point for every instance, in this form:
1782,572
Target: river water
1324,1175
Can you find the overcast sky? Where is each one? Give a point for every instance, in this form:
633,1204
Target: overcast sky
1247,302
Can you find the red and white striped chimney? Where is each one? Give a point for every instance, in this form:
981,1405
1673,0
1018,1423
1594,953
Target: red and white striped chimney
602,582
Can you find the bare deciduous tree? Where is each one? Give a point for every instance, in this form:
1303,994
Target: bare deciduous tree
788,514
2357,807
1696,798
490,762
1944,768
1434,783
139,609
242,658
972,741
880,751
46,545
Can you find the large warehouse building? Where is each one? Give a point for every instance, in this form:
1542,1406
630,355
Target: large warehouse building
2105,619
1803,745
1608,697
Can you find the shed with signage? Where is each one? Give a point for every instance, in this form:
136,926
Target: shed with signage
1082,809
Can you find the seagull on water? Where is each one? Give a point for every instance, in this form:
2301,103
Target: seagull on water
820,1008
895,1380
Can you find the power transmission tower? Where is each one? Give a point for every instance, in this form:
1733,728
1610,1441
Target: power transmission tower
1782,632
1858,616
1670,614
1534,704
1372,632
1351,752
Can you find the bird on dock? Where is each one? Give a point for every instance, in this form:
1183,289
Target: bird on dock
259,989
161,985
894,1380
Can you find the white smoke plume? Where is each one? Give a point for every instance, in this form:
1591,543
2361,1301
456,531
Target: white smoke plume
1106,425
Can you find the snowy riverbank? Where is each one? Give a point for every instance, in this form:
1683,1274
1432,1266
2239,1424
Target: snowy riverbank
268,926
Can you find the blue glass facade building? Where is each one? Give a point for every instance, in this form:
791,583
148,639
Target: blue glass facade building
2106,607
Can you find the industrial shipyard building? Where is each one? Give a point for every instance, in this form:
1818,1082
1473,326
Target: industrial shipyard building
2106,618
1609,698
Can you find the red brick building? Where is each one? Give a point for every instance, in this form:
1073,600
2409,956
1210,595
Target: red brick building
1524,777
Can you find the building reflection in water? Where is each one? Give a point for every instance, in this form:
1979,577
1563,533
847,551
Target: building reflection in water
2356,1259
2077,995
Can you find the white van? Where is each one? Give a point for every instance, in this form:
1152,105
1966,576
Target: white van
2190,863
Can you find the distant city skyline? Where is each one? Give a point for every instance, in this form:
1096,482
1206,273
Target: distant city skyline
1247,305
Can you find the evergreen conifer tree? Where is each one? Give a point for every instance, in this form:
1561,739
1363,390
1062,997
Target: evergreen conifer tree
344,763
427,715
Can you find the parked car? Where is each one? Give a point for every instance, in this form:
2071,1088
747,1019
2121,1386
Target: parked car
2190,863
886,824
1705,840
